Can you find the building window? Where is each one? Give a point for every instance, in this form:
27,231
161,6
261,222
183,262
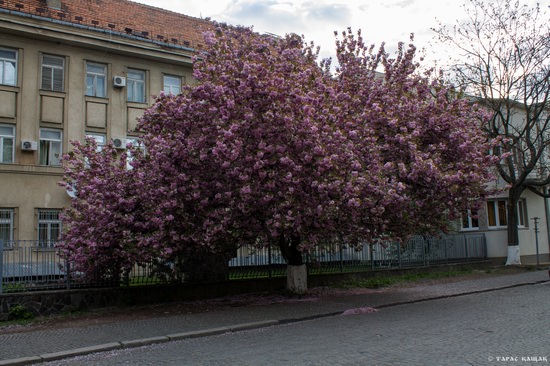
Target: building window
136,86
8,67
522,213
53,70
470,220
50,147
134,142
100,140
7,138
96,76
497,213
49,227
6,224
172,84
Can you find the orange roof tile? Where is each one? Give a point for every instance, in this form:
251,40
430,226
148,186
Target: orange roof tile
121,16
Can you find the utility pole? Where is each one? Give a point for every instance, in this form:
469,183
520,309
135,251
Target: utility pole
536,219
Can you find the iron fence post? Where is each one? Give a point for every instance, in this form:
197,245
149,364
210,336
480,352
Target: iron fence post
446,249
68,274
126,278
466,248
341,257
371,251
1,265
269,271
398,254
424,250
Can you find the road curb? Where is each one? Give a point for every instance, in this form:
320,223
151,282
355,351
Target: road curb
198,333
221,330
21,361
254,325
47,357
461,294
144,341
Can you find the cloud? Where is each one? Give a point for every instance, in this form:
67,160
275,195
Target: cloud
398,4
257,13
282,17
388,21
329,13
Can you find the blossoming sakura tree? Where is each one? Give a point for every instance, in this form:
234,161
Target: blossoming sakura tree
270,148
501,58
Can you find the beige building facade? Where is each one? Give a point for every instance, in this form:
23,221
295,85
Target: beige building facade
72,68
69,69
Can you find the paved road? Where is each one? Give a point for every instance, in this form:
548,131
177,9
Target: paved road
505,327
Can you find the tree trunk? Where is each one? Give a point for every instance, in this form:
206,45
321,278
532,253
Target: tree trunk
513,258
204,266
296,279
296,274
290,250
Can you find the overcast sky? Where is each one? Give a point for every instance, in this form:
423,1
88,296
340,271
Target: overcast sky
380,20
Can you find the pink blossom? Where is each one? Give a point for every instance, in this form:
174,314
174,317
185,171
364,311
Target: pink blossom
267,146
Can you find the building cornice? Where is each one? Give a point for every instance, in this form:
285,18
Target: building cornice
31,169
36,27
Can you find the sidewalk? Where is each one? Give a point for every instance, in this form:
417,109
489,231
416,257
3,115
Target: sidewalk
27,348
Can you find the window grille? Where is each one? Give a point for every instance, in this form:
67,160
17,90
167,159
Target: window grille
49,227
6,224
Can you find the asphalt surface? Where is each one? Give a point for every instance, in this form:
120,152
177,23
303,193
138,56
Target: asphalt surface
27,348
469,330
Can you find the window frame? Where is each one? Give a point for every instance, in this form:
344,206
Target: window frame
500,208
522,214
133,141
468,222
99,138
52,219
48,160
170,86
93,89
10,221
2,142
51,68
3,63
136,87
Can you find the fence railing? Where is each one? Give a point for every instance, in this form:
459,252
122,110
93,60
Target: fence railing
28,265
419,251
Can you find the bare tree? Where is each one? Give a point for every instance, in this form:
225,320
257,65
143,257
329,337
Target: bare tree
503,60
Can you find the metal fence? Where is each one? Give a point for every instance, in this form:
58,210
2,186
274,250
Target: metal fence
28,265
419,251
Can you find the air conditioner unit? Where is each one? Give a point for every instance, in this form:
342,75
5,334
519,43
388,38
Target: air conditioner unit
27,145
119,143
119,81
